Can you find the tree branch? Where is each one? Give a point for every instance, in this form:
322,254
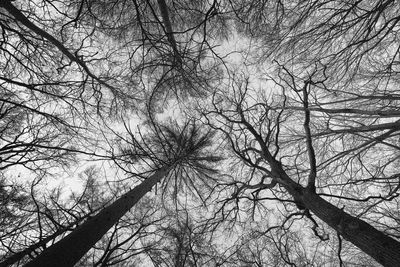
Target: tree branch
311,153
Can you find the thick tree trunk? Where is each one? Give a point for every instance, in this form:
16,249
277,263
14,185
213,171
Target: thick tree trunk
68,251
379,246
21,254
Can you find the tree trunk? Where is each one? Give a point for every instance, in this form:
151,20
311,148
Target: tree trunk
69,250
379,246
370,240
168,29
21,254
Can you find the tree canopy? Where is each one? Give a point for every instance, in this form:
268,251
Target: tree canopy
195,133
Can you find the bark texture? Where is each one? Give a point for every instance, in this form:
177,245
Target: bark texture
370,240
379,246
69,250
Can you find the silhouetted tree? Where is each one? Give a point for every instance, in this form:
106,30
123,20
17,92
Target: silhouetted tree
173,152
282,155
35,218
317,140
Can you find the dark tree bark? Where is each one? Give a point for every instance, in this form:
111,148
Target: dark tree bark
70,249
21,254
168,29
379,246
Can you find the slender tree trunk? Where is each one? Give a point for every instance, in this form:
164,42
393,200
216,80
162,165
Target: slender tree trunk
69,250
379,246
168,29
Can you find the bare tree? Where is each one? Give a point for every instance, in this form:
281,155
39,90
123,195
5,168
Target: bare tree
172,152
183,241
123,244
281,156
319,139
35,219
